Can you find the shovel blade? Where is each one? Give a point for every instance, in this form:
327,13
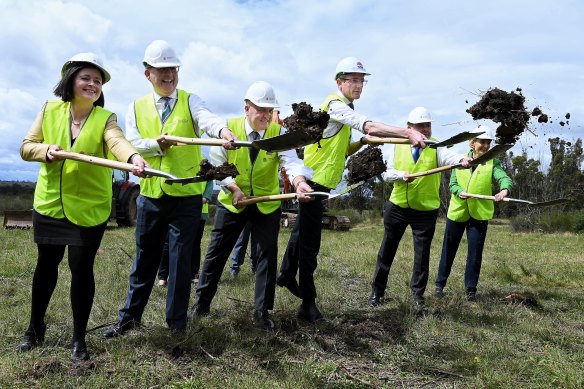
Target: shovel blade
492,153
458,138
550,202
287,141
184,181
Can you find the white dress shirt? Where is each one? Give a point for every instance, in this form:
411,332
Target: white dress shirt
203,119
341,114
288,159
444,156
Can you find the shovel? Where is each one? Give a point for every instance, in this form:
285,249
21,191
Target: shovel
170,179
509,199
463,136
291,196
498,149
287,141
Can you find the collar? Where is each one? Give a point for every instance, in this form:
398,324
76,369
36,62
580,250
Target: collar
249,130
343,98
173,96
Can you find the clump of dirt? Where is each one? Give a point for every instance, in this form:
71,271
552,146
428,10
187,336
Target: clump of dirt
221,172
506,108
365,165
306,122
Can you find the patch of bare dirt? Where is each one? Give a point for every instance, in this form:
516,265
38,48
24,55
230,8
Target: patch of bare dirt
210,172
365,165
307,122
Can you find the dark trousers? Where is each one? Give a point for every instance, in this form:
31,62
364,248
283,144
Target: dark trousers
240,249
228,227
81,259
396,220
476,233
304,244
180,217
195,263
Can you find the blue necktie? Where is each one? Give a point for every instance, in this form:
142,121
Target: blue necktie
253,151
416,153
166,110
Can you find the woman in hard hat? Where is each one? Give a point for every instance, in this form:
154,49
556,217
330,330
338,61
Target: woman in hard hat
471,214
72,201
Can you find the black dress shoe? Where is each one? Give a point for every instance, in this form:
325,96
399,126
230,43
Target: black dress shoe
288,283
471,294
419,307
375,299
439,292
79,351
197,311
31,339
263,320
120,328
310,313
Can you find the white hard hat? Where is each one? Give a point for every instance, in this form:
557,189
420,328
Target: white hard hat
90,58
262,94
350,65
487,134
159,54
419,115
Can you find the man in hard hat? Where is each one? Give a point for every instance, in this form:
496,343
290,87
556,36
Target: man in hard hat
471,214
414,203
327,159
167,110
258,176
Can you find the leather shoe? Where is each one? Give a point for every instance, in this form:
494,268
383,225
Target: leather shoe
32,339
120,328
471,294
375,299
288,283
79,351
310,313
197,311
419,308
263,320
439,292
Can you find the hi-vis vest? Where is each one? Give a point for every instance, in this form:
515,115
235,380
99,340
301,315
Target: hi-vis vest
327,157
77,191
262,176
422,194
181,161
479,182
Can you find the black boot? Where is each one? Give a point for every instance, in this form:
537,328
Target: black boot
32,338
309,312
79,351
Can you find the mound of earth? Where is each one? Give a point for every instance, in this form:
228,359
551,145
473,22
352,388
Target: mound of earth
306,122
365,165
506,108
210,172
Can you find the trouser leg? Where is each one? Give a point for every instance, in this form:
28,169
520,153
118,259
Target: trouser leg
452,236
476,234
423,224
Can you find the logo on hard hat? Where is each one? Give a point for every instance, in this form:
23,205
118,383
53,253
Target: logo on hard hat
360,66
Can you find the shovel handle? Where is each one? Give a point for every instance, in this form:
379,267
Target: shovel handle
260,199
128,167
433,171
396,141
487,197
181,141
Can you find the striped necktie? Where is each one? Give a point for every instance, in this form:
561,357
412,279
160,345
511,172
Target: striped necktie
166,109
253,151
416,153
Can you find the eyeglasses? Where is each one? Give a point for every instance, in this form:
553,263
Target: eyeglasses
355,81
170,69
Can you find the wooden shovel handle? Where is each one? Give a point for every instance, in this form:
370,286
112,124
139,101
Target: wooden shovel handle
433,171
261,199
396,141
195,141
93,160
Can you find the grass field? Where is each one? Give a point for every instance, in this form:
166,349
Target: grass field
488,343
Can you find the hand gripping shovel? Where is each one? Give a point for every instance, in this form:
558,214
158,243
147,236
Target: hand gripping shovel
509,199
170,179
290,196
287,141
463,136
498,149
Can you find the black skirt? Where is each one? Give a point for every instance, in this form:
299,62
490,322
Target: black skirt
48,230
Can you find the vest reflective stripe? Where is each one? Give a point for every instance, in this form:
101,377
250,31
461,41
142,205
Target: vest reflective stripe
205,208
262,176
78,191
422,194
479,182
327,157
182,161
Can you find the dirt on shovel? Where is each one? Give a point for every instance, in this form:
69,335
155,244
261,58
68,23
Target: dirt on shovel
306,121
210,172
365,165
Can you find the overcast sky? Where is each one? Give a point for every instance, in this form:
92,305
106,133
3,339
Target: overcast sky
437,54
